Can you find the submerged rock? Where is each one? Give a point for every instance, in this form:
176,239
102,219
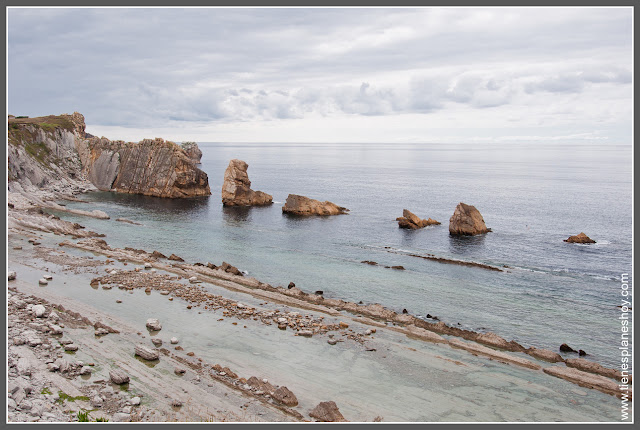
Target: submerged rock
11,275
236,188
327,412
411,221
580,238
467,221
301,205
592,367
566,348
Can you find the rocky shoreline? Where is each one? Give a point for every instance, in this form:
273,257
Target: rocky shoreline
182,281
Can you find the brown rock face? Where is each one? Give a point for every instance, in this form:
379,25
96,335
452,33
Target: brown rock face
467,221
411,221
150,167
327,412
193,151
285,396
580,238
236,189
301,205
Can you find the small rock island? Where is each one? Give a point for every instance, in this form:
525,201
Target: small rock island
412,221
467,221
580,238
301,205
236,188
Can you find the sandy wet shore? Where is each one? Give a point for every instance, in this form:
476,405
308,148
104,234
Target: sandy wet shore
232,328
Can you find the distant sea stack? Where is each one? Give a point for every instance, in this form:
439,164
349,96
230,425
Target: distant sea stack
301,205
412,221
580,238
236,189
467,221
56,149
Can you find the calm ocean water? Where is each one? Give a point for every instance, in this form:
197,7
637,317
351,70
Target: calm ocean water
532,195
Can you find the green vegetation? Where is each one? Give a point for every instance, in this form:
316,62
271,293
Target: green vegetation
83,416
37,150
64,396
23,116
45,390
102,420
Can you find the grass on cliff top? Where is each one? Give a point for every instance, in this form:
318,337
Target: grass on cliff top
48,123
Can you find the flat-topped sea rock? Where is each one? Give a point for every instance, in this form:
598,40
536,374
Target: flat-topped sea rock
236,188
580,238
467,221
301,205
412,221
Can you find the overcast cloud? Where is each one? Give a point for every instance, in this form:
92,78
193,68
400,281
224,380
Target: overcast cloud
428,74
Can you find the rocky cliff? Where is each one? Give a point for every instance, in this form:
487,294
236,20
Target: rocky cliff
236,188
56,151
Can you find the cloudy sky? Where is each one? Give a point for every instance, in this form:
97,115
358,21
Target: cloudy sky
328,75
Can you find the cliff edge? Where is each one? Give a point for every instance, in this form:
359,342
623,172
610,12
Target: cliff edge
56,151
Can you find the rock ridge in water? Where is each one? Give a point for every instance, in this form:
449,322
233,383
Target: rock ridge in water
301,205
467,221
236,188
412,221
192,150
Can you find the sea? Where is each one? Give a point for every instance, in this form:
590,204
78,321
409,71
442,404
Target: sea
532,196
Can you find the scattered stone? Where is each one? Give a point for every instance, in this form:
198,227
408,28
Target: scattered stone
285,396
42,281
121,417
118,377
179,371
85,370
291,285
47,277
306,333
71,347
327,412
176,403
147,265
332,341
135,401
153,324
174,340
156,341
147,353
174,257
38,311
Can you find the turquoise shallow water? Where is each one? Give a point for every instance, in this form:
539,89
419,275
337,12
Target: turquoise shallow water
532,196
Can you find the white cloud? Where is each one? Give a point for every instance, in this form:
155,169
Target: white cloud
286,70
